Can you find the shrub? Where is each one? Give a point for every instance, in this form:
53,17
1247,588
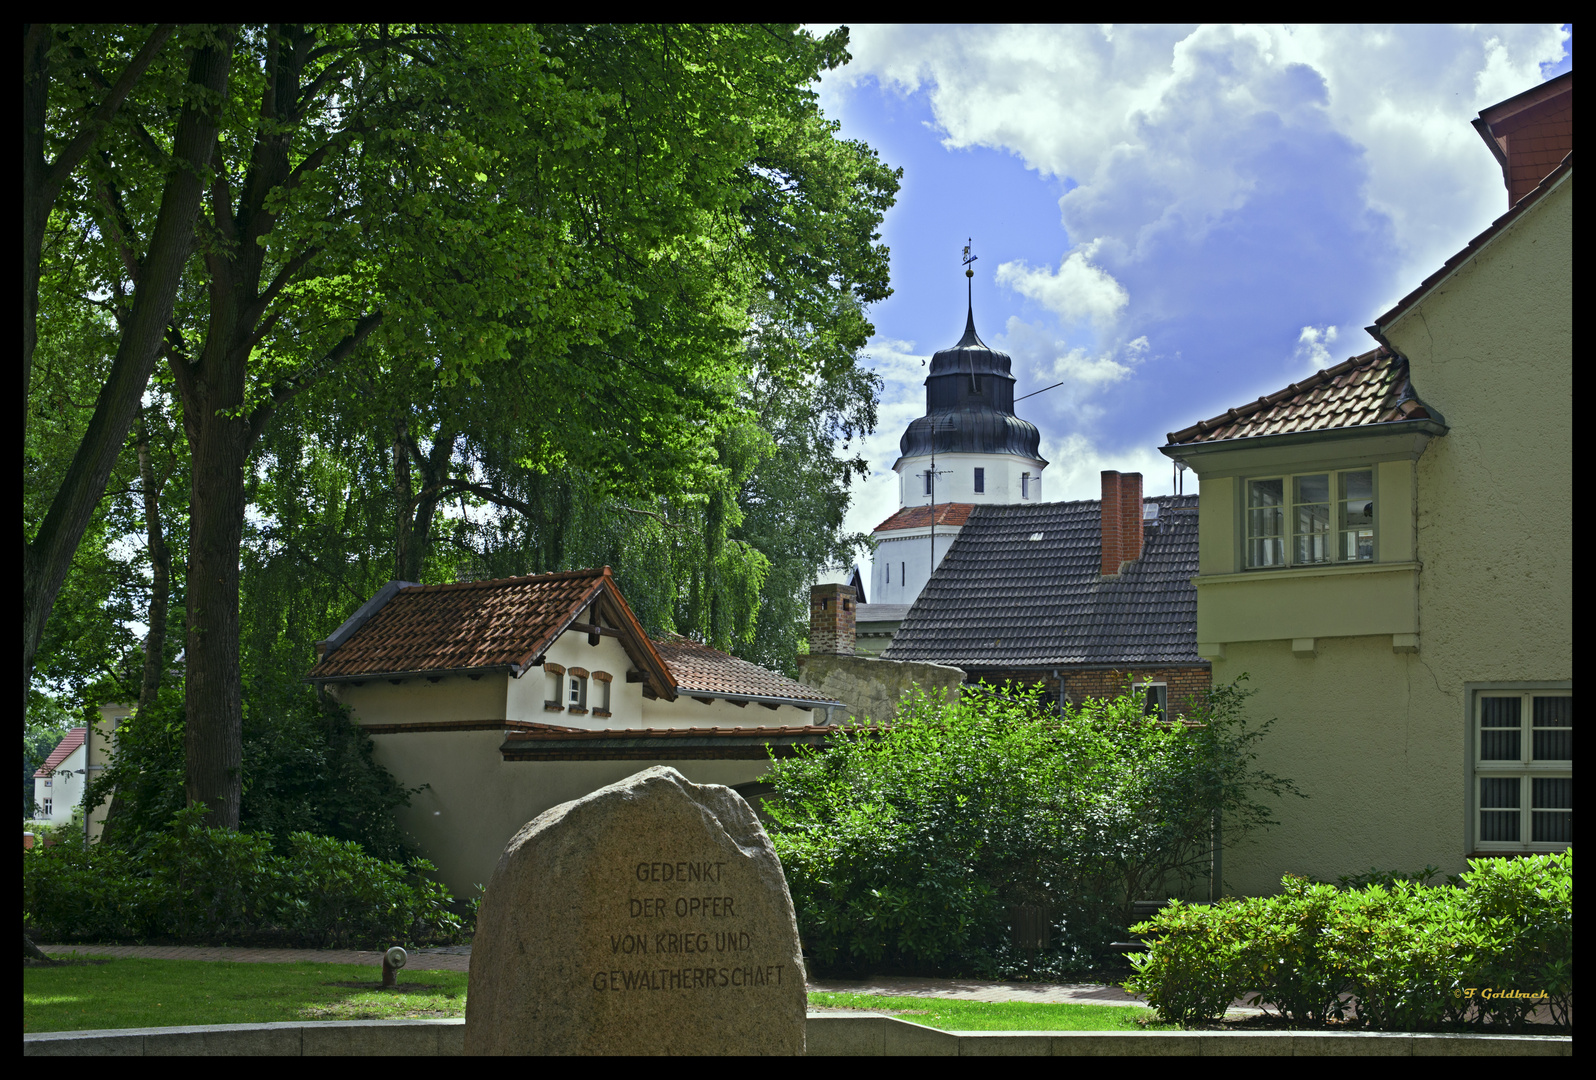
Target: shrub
907,846
1398,957
202,885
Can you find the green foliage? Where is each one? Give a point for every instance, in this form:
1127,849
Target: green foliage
1403,957
307,768
199,885
906,846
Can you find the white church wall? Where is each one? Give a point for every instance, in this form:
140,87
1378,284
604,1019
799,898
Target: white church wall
904,562
1002,481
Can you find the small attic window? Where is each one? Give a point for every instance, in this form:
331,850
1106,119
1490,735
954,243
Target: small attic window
1036,536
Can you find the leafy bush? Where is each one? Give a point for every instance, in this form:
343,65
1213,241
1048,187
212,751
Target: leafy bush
907,846
1399,957
307,768
197,884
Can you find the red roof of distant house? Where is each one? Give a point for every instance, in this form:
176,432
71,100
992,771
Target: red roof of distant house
919,517
73,740
1368,389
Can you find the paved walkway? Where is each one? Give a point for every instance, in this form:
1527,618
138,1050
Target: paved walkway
458,958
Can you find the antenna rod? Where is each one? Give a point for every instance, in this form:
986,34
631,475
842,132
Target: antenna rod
1033,393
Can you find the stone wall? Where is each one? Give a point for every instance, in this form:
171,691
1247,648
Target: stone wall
872,687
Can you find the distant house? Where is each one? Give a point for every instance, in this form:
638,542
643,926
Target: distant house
1081,597
59,783
505,698
1387,551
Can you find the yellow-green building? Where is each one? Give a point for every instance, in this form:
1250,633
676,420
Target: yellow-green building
1385,550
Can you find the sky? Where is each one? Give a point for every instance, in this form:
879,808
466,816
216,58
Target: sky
1172,221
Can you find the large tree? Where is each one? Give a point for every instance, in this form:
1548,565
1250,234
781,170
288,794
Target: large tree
77,85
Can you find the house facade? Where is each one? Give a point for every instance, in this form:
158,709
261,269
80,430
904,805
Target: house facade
1386,553
59,783
501,699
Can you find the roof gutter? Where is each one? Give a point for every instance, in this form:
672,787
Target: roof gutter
762,699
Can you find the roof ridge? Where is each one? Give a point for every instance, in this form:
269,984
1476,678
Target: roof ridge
519,579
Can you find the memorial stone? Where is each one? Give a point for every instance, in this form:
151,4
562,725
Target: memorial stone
649,917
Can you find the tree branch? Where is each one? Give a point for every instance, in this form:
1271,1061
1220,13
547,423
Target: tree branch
73,153
285,390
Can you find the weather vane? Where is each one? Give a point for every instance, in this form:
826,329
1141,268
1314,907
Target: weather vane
968,259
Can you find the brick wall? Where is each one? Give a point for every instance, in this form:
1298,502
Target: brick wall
1122,520
1188,686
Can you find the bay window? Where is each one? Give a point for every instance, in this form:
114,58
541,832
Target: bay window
1310,519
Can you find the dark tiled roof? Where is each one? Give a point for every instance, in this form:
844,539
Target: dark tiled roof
919,517
501,625
880,613
1368,389
1001,599
1473,247
73,740
698,669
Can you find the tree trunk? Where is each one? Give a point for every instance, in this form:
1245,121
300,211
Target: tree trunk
160,572
48,556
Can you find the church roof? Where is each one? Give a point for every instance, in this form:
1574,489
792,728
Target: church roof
1021,587
919,517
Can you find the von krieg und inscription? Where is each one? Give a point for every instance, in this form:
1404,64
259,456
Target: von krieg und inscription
650,917
641,949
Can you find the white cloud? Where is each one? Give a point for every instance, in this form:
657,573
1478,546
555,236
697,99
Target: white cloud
1076,464
1079,290
1313,345
1154,123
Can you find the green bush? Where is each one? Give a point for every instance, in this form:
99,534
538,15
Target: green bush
907,846
1399,957
201,885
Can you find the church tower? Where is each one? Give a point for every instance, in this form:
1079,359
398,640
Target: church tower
968,448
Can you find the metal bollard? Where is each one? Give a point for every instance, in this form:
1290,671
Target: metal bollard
392,961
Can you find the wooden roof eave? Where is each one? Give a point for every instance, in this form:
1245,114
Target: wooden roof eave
629,632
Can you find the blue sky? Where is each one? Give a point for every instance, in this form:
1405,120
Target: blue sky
1171,220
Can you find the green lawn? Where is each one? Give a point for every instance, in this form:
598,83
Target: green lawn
124,993
951,1014
166,993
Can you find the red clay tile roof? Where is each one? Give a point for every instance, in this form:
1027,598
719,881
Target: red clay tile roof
1473,247
698,669
1368,389
919,517
73,740
663,744
501,625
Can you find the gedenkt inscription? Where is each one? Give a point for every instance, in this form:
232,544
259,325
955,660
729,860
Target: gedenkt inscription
648,917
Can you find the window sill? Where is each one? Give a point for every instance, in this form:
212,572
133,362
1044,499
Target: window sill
574,711
602,712
1323,570
549,706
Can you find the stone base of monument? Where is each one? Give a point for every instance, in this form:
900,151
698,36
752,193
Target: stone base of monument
649,917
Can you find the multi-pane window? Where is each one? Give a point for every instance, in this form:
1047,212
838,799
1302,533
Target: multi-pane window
980,481
1523,770
576,692
48,802
1311,519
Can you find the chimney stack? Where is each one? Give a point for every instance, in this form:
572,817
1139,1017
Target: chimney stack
831,620
1122,520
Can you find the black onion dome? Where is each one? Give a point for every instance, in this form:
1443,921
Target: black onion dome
969,395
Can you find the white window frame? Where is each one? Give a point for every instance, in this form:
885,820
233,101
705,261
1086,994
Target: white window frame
1527,768
1155,696
1288,535
47,804
575,697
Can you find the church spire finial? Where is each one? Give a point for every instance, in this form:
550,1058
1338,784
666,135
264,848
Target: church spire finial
969,286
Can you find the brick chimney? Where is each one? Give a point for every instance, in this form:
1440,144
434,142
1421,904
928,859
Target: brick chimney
1122,520
831,619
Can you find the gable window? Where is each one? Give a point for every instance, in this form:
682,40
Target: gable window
1523,763
980,481
1310,519
576,690
554,674
601,693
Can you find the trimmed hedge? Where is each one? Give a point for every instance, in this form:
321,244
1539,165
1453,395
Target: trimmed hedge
1403,957
201,885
